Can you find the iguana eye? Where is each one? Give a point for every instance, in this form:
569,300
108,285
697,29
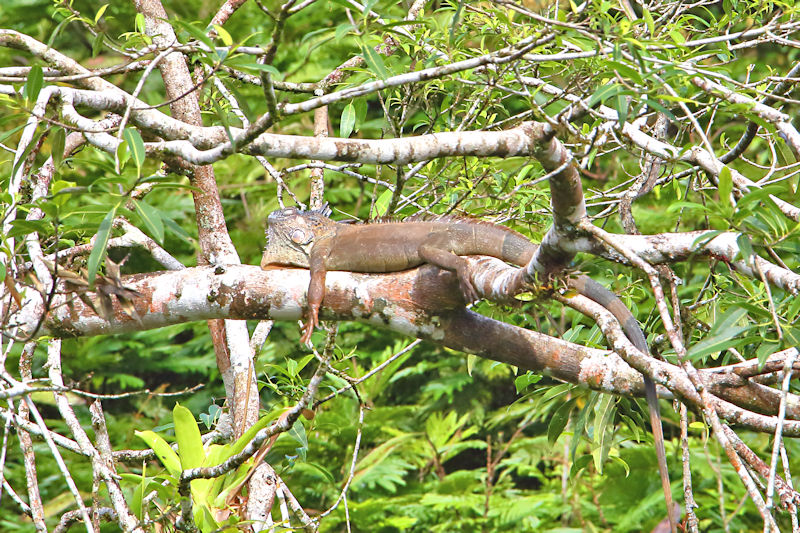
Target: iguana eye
299,237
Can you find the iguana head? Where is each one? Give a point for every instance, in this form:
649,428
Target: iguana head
291,233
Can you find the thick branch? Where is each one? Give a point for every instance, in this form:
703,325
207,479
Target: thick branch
423,303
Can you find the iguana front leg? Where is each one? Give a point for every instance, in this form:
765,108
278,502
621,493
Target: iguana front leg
316,292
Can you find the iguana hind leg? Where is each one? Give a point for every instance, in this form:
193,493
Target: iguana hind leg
447,260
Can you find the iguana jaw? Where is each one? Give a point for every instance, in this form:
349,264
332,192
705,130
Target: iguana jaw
291,233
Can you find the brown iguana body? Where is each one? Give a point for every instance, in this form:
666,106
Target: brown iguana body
309,239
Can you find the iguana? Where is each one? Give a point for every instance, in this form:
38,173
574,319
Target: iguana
309,239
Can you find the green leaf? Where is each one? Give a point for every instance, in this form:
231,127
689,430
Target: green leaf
197,33
579,464
374,62
559,421
660,108
135,145
248,435
602,432
2,272
677,37
523,381
382,203
151,218
677,206
34,84
23,227
648,19
139,24
348,121
625,71
187,435
471,359
59,139
745,247
100,243
725,185
792,311
368,5
224,35
298,433
176,228
25,153
165,454
342,30
100,12
724,334
673,98
621,105
729,319
603,93
97,43
262,68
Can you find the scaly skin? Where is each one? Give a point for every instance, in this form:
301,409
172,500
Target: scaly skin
309,239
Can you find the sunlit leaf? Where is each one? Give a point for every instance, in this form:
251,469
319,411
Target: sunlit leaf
187,435
163,451
382,203
100,12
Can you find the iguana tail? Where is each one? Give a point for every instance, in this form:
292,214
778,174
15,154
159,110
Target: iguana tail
599,294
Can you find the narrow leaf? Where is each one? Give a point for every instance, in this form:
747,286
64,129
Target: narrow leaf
264,68
197,33
139,24
648,19
603,93
374,62
348,121
602,431
59,140
136,147
248,435
151,218
34,84
100,12
471,359
717,343
622,108
559,421
97,43
725,185
100,243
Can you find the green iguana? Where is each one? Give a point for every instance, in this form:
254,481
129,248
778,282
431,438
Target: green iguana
309,239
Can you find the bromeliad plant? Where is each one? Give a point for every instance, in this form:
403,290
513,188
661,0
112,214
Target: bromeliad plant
212,501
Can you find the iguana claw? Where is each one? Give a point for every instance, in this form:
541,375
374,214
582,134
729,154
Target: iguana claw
467,288
312,322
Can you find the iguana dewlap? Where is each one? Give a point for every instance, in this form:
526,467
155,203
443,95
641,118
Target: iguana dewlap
309,239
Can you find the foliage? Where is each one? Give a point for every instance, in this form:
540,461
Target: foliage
447,442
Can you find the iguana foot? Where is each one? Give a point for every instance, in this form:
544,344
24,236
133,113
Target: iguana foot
312,321
467,288
308,329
